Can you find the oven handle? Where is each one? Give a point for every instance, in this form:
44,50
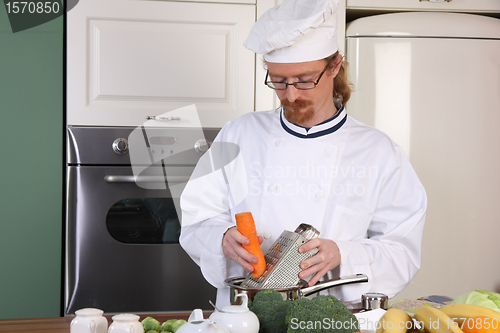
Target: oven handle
148,179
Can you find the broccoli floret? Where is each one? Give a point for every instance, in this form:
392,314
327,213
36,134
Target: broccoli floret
151,324
271,309
172,325
151,331
320,314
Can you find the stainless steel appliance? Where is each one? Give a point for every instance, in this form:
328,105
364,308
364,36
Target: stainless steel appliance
122,239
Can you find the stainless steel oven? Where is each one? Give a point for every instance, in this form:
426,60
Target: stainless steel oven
122,235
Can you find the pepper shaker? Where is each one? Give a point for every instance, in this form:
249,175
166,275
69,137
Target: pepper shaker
372,301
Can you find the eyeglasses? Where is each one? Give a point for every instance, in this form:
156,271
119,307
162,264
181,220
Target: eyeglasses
305,85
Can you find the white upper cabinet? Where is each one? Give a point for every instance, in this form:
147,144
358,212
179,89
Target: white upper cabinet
127,60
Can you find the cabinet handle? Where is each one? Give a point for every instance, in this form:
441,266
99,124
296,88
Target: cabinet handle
161,118
150,179
435,0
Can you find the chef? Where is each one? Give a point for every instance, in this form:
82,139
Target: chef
306,162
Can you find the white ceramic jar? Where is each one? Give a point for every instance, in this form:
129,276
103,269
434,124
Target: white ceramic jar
125,323
89,320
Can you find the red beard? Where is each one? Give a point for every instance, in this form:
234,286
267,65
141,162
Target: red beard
299,111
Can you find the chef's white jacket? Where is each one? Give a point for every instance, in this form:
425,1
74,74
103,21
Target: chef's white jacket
348,180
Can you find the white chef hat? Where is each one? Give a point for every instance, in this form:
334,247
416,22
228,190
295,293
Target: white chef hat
296,31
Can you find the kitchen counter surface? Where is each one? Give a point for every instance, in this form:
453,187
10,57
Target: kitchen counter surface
61,324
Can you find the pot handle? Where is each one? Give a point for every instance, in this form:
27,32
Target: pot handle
333,283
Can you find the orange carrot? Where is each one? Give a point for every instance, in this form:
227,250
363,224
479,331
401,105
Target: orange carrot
246,226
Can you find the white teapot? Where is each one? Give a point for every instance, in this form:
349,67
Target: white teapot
196,324
237,318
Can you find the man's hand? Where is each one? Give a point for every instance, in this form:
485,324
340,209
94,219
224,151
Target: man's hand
232,245
326,259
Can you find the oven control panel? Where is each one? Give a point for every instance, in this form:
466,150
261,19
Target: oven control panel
120,146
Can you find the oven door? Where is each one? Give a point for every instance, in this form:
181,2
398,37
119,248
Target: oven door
123,252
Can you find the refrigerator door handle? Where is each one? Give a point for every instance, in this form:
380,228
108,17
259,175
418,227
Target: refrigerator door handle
435,0
149,179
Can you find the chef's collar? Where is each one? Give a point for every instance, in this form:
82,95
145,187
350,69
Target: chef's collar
328,126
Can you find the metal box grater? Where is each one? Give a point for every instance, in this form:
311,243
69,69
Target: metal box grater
283,260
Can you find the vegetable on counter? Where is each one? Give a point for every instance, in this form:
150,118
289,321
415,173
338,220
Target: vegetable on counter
271,309
488,299
246,226
172,325
152,325
320,314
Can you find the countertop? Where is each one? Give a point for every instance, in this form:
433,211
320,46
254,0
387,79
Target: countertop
61,324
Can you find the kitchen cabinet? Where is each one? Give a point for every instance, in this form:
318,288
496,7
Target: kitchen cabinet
119,71
127,60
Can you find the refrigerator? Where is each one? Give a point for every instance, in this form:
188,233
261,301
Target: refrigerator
431,81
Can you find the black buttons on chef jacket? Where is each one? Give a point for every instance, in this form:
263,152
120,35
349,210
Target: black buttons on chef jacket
329,149
319,195
266,234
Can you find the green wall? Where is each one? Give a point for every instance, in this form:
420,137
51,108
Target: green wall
31,169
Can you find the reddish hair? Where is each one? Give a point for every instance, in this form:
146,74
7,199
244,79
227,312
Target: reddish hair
341,86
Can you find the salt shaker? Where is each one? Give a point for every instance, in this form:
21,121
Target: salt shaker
89,320
372,301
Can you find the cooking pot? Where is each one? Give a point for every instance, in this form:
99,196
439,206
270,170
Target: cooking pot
290,293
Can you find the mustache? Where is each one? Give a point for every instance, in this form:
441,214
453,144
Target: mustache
298,104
